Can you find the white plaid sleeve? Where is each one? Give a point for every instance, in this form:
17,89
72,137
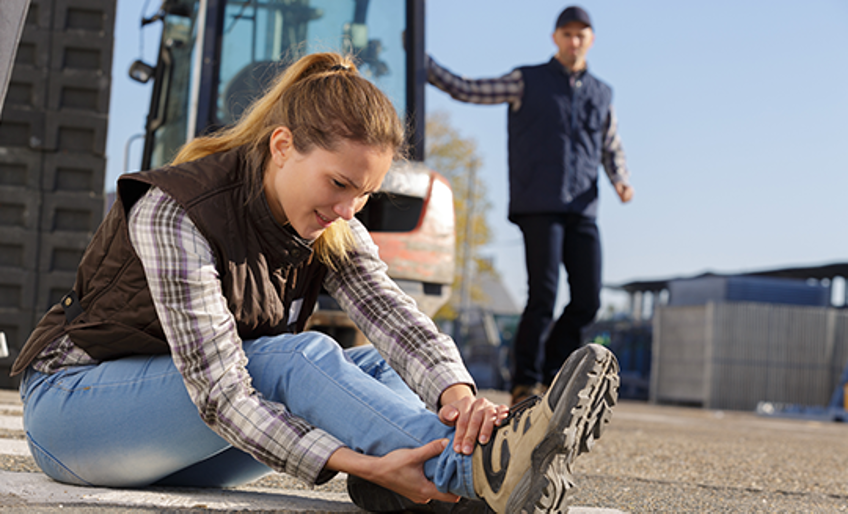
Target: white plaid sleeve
508,88
427,359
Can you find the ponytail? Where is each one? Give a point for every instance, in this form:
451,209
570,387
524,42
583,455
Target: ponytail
323,100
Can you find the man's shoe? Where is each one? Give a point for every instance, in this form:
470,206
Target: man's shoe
374,498
523,391
526,467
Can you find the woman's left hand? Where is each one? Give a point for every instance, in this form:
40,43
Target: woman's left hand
474,418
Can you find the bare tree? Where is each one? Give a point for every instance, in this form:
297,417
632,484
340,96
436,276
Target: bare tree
455,157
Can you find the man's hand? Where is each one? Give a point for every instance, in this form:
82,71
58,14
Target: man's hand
625,191
474,418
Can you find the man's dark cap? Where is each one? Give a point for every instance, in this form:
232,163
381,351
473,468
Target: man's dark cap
573,13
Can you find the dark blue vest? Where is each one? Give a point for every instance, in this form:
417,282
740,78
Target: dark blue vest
556,142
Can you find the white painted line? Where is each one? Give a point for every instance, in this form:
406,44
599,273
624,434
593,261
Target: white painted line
11,423
36,488
14,447
10,396
656,418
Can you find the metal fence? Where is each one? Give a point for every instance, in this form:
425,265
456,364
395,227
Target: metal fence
732,355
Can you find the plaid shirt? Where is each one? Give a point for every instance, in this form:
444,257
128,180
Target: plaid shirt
509,89
181,273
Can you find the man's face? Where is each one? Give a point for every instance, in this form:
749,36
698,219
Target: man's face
573,41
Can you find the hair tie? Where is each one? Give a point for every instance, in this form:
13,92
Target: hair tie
340,67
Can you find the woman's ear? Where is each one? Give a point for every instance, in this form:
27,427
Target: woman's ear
281,145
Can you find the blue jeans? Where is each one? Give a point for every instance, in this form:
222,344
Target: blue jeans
130,422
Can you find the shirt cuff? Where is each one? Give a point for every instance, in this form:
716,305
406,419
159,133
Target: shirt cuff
309,457
451,374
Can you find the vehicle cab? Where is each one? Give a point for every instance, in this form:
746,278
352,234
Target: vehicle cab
216,56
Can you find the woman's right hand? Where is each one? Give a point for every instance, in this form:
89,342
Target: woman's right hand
401,471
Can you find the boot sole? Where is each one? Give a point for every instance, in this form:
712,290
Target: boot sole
586,390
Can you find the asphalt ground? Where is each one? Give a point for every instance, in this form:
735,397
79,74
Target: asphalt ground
651,459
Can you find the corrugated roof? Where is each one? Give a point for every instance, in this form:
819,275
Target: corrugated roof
804,272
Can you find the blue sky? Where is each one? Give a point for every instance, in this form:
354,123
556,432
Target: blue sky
732,114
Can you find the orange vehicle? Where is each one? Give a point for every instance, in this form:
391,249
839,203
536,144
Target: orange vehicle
411,221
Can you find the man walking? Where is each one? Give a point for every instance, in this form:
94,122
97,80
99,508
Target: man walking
561,127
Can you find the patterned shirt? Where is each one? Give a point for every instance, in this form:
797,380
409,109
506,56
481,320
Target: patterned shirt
180,268
509,89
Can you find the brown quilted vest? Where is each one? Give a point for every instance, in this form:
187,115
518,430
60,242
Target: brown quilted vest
264,268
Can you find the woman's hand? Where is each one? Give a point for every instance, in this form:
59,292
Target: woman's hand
401,471
474,418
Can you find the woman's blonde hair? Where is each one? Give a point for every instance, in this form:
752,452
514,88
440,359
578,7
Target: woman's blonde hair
323,100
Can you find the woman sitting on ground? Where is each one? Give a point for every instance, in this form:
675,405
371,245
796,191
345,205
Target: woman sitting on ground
192,299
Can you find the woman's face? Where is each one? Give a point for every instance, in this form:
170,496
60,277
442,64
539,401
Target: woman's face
313,190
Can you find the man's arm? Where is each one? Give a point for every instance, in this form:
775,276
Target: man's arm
506,89
613,159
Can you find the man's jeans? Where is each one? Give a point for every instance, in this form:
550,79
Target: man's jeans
549,241
130,422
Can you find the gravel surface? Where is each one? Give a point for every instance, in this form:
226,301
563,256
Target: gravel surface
672,459
281,481
18,463
11,434
639,495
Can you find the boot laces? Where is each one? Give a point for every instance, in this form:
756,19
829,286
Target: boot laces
518,410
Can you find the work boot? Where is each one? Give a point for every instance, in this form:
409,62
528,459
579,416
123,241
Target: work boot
374,498
526,467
